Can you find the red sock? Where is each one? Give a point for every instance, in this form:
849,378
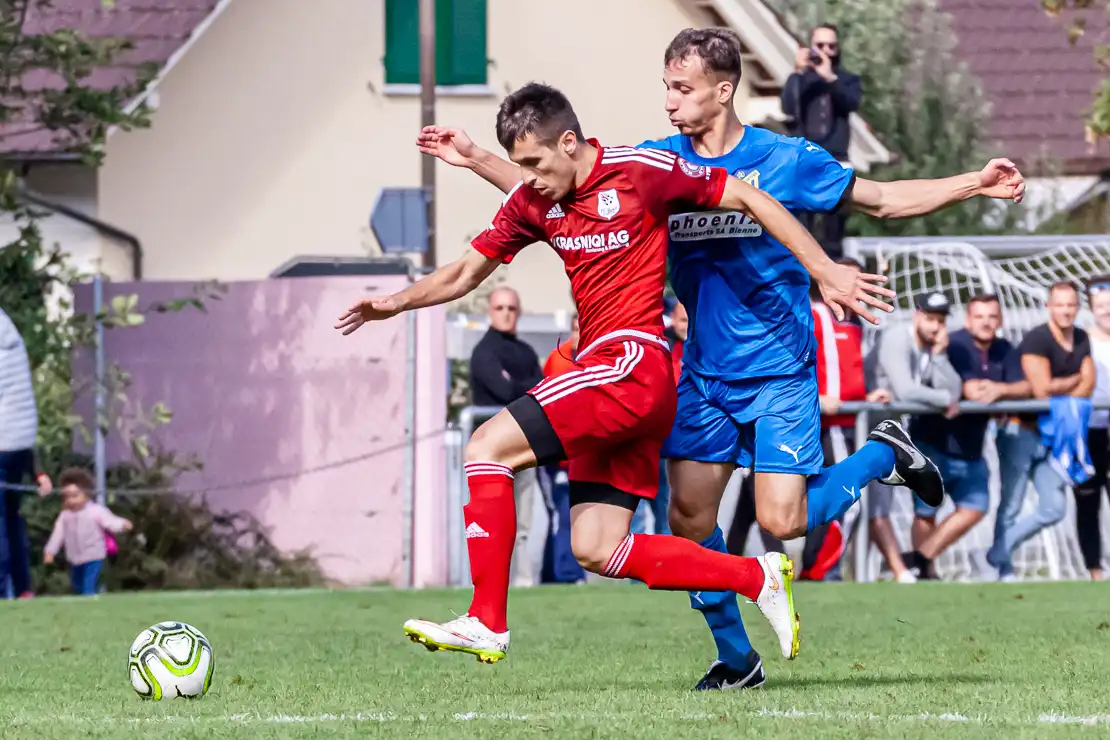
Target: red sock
490,533
668,563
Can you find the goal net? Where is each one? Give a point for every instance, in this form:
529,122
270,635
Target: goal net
1018,270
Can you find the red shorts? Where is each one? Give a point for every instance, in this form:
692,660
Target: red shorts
612,412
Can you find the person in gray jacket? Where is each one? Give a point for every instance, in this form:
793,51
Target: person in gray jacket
911,361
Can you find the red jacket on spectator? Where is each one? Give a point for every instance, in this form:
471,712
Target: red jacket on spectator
677,348
839,361
560,360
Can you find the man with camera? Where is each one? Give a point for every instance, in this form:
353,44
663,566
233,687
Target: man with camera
818,98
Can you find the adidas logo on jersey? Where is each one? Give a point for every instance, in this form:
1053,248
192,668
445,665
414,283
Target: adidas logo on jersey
555,212
474,530
691,227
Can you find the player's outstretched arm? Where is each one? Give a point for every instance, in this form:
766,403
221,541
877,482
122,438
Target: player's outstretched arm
449,282
1000,179
455,147
842,287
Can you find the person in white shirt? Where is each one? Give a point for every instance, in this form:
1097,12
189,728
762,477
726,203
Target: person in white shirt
18,429
1088,496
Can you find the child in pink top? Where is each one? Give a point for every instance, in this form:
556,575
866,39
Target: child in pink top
81,529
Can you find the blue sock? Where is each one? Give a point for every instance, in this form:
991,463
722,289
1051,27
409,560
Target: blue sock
722,614
832,492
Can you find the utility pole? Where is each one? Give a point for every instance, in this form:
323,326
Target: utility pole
428,118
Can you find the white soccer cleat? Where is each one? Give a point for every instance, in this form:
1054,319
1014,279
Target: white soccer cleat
463,634
776,601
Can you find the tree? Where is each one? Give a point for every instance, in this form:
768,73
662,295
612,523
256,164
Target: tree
45,94
922,103
1082,11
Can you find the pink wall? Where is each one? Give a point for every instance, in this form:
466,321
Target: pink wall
261,386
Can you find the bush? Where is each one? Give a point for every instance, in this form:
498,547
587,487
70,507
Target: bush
178,542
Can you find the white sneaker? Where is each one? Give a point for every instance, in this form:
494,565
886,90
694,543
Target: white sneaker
776,601
463,634
906,577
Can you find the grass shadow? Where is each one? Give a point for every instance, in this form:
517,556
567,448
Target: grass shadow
865,681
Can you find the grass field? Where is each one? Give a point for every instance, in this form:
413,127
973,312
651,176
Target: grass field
878,660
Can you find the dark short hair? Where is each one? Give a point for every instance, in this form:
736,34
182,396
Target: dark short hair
717,48
828,27
77,477
536,109
983,298
1064,285
1097,284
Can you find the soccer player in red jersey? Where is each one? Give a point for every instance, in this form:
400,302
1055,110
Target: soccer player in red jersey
604,210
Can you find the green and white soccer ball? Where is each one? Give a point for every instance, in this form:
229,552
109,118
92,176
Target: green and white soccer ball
170,660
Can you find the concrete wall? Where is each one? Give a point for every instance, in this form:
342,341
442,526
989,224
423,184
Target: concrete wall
267,393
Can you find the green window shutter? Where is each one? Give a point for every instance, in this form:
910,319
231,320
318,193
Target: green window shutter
460,42
462,59
402,42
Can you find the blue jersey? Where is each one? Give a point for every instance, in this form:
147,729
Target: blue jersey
746,295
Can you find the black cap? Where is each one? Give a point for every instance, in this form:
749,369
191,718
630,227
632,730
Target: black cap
933,303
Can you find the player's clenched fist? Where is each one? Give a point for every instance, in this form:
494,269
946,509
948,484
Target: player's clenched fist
844,287
368,309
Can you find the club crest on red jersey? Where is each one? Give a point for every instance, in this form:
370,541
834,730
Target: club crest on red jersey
608,204
693,170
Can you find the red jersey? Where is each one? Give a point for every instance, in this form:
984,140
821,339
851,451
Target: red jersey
839,361
611,233
560,360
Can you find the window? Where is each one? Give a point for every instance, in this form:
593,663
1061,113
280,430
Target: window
460,42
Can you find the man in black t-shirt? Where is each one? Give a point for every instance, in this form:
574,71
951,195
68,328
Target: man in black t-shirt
1056,361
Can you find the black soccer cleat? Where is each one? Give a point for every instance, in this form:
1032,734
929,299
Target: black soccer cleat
911,468
721,677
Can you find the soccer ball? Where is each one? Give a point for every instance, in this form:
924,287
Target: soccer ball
170,659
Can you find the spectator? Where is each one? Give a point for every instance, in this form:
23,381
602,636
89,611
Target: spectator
1088,495
561,358
676,338
840,378
818,98
82,528
914,365
979,356
1056,359
502,369
18,429
559,563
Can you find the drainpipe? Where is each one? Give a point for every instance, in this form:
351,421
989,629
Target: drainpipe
103,227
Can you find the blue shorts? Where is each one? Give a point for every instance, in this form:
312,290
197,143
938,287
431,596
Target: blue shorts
966,482
771,424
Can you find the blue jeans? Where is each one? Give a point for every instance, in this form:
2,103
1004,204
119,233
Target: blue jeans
84,577
659,506
1022,458
967,482
559,563
16,467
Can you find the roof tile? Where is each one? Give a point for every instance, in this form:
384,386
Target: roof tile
156,28
1040,86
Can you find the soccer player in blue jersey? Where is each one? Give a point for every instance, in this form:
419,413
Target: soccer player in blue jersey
748,391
